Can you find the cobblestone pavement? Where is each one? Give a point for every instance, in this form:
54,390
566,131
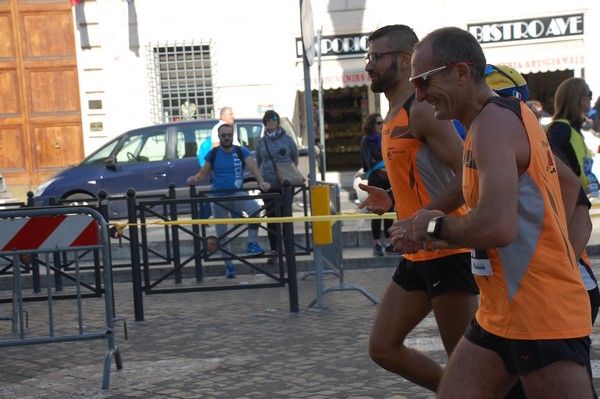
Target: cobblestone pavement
223,344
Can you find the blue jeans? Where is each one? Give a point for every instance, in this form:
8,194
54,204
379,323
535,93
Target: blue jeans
225,209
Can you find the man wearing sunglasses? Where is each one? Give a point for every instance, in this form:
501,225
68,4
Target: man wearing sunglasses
225,117
423,161
227,163
533,321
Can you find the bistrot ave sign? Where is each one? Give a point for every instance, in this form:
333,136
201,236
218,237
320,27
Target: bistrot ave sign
564,26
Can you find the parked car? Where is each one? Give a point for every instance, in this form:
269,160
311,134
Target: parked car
7,201
359,177
147,159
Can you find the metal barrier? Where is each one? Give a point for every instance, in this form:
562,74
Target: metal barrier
331,251
173,228
48,232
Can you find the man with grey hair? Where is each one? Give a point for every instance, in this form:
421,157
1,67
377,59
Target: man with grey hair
533,322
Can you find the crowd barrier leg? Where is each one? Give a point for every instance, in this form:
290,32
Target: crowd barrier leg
328,243
52,232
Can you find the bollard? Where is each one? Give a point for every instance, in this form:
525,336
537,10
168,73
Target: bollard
198,246
136,275
290,255
30,202
175,234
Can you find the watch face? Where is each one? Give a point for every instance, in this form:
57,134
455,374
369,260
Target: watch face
431,226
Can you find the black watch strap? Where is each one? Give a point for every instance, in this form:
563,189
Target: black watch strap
391,195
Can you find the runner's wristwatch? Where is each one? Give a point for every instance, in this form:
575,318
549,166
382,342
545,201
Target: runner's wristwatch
434,228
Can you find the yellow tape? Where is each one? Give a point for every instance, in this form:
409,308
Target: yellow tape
280,219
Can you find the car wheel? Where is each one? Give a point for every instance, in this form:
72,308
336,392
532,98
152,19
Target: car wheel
81,199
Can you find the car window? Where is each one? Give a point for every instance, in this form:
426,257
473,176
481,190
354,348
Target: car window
189,139
147,146
249,133
100,156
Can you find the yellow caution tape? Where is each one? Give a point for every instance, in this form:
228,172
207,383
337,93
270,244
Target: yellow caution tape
280,219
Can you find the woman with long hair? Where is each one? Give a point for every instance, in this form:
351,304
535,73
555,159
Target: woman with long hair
571,106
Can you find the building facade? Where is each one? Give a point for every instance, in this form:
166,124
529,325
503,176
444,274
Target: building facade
147,61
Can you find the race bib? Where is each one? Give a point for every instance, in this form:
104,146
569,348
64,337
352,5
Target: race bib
480,263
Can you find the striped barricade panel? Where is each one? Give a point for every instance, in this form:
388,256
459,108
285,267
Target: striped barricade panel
48,232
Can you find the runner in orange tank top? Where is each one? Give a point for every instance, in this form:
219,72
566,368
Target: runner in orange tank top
533,322
422,156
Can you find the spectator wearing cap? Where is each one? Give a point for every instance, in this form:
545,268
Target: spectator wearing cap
274,146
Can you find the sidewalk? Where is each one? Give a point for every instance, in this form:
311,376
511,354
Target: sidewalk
230,344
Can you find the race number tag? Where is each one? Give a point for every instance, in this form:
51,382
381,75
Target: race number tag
480,263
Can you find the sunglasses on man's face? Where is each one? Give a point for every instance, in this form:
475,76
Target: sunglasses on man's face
379,122
421,80
272,119
227,135
589,94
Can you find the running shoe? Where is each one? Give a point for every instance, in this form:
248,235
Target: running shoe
377,250
254,249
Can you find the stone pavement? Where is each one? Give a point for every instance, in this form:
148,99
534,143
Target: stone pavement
228,344
223,344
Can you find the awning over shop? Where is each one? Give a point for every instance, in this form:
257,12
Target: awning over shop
336,74
539,57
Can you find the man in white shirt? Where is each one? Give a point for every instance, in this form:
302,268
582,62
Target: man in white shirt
226,117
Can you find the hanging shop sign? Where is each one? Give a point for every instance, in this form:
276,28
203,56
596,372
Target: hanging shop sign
560,27
339,46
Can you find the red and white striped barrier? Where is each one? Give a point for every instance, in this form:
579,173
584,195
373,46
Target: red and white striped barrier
48,232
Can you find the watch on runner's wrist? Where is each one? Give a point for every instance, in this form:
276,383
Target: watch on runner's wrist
391,195
434,228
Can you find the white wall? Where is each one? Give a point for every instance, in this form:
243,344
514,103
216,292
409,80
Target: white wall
254,46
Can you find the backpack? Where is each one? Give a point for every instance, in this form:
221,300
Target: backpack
213,155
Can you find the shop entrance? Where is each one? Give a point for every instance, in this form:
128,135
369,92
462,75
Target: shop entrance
542,86
345,109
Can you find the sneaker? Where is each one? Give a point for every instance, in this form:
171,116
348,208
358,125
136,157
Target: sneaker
377,250
389,249
254,249
230,271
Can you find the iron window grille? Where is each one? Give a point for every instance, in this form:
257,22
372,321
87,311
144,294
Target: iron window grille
181,81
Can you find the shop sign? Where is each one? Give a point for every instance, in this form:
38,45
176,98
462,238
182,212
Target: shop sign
546,63
564,26
343,79
339,46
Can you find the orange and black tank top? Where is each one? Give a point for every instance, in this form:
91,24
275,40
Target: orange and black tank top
416,175
535,289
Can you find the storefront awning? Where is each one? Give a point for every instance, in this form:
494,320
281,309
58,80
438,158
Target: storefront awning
539,57
349,72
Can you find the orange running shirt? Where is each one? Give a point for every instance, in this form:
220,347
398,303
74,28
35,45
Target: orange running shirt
535,291
416,175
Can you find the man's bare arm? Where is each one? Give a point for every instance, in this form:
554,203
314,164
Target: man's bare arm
445,143
501,152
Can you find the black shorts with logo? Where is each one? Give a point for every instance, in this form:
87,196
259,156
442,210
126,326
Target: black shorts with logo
522,356
437,276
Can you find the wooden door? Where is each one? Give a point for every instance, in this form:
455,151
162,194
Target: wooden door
40,115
